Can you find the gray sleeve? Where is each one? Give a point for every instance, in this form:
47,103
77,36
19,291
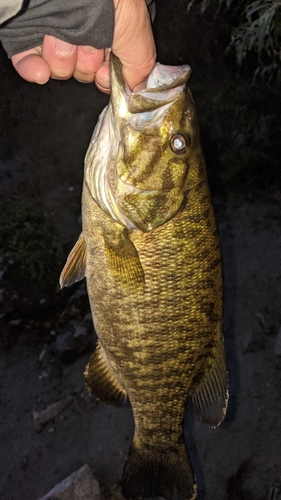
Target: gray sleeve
80,22
8,10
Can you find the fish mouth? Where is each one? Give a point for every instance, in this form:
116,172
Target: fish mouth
163,85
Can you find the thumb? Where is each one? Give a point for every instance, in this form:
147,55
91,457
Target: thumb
133,41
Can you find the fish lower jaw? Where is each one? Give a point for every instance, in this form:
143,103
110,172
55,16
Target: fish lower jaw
125,188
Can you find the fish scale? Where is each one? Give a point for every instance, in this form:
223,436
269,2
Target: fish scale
155,287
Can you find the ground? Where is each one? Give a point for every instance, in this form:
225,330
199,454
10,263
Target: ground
47,335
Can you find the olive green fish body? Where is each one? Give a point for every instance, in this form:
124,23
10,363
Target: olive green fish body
159,334
151,253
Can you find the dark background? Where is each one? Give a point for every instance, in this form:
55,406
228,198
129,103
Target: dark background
45,131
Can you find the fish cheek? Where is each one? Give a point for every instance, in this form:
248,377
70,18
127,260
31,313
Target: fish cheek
139,156
175,172
151,210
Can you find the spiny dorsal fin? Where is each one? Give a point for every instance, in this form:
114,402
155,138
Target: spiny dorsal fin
75,267
101,382
210,397
123,259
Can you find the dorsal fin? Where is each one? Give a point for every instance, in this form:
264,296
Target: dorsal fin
75,267
210,397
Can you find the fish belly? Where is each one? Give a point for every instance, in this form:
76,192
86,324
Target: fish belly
158,335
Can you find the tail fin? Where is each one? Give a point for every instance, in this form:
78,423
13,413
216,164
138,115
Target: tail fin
150,473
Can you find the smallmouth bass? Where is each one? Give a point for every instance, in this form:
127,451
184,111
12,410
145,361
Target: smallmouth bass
151,255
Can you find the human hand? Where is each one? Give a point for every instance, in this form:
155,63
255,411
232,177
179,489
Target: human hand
132,42
60,60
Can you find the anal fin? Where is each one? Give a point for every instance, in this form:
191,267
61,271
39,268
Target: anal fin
101,382
75,267
210,397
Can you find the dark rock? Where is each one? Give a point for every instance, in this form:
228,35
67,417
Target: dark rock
40,418
74,341
251,341
277,346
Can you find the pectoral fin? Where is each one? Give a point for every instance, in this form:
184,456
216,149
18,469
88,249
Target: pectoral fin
210,397
123,259
75,267
101,382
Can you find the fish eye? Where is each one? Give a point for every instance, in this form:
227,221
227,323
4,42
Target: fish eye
178,144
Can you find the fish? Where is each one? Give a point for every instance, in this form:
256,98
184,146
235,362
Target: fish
150,251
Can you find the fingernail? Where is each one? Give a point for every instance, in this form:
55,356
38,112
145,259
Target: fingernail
84,81
63,49
106,90
88,48
42,83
